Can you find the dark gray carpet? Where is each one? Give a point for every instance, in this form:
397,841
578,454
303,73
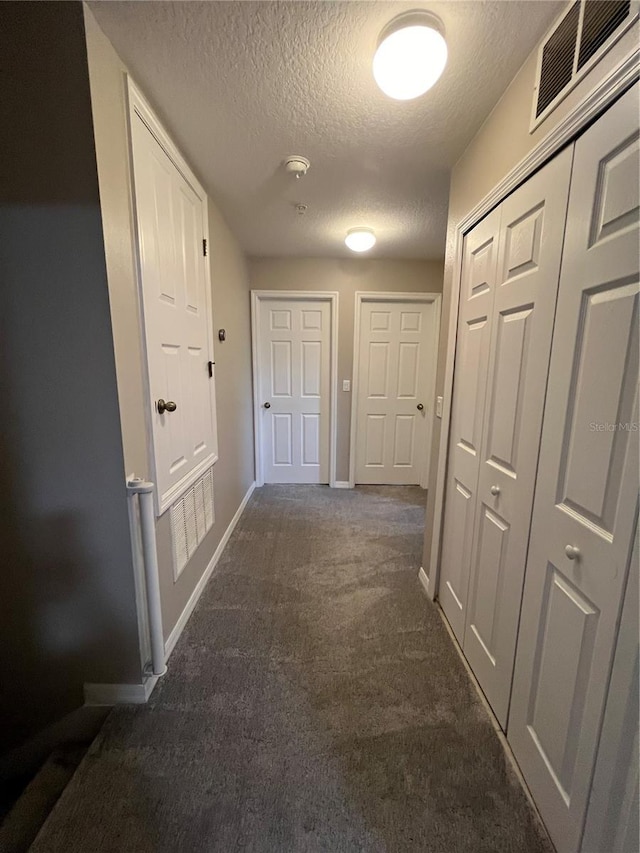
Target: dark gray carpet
314,703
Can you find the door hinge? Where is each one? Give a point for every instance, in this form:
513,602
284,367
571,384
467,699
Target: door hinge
210,365
204,247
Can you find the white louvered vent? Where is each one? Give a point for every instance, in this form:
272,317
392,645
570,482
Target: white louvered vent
582,34
191,518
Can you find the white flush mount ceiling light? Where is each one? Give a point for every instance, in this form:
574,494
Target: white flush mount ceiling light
360,239
411,55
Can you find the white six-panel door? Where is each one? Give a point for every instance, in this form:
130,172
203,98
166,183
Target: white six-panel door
293,384
586,501
509,286
479,273
530,246
395,378
170,220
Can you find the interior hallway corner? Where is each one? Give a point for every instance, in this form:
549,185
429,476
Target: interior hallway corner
314,703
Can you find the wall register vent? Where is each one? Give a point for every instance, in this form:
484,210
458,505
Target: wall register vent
191,518
578,39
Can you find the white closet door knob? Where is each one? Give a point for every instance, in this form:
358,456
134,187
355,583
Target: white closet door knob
572,552
495,490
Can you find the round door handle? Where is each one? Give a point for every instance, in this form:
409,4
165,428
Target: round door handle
495,491
267,405
419,407
572,552
168,406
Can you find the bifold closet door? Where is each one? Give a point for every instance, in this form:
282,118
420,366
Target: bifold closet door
530,247
480,261
586,502
511,266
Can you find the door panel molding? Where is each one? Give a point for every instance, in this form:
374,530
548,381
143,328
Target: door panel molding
284,322
594,103
408,321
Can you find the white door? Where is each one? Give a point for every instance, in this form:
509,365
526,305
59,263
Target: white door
479,272
174,289
395,377
586,500
294,366
531,232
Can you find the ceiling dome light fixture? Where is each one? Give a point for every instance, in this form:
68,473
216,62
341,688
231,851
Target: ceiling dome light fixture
411,55
360,239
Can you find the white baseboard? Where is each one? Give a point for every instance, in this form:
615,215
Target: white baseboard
174,636
424,580
119,694
138,694
494,722
341,484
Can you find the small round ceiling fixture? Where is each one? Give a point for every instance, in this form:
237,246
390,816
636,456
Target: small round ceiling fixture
297,165
411,55
360,239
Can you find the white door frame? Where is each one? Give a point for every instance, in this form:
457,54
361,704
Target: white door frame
302,295
432,299
594,102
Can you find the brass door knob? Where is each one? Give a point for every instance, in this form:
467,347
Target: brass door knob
168,406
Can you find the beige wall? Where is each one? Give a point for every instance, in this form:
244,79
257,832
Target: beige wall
346,277
233,473
500,144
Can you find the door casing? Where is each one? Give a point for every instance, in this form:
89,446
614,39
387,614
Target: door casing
432,299
303,296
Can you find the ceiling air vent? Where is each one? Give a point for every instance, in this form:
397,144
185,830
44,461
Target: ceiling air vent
601,19
579,35
558,56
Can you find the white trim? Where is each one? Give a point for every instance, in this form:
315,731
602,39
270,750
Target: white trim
137,105
341,484
317,295
119,694
431,298
496,725
424,580
174,636
578,74
595,102
177,491
138,694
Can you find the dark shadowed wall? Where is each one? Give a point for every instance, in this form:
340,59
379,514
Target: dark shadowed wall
67,600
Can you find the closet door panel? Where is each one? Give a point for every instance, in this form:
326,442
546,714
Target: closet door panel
530,248
612,824
480,260
586,502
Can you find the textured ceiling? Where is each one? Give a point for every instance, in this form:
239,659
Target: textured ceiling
241,85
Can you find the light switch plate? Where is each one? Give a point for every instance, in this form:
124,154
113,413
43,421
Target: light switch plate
438,407
346,385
